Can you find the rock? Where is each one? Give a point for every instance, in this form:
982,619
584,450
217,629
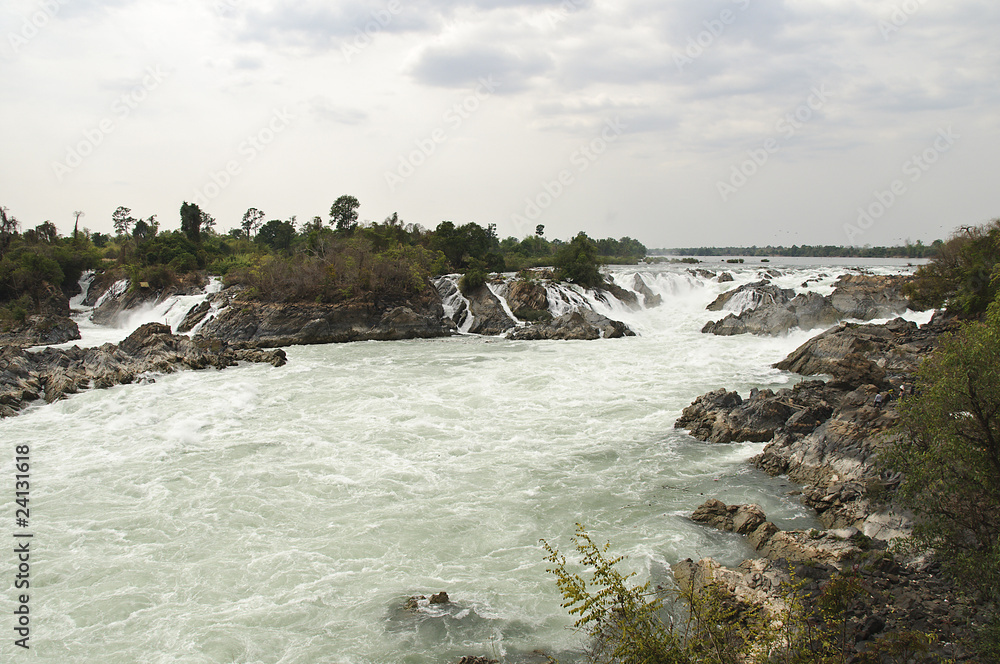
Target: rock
440,598
274,324
40,330
704,418
52,374
751,296
195,315
724,277
528,295
649,298
865,297
626,297
802,547
489,316
470,659
741,519
764,309
584,324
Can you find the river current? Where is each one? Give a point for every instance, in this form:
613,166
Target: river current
285,515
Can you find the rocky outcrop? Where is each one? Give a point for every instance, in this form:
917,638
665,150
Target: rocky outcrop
525,295
48,324
764,309
611,289
274,324
49,375
649,298
751,296
884,595
488,314
40,330
896,347
825,435
583,324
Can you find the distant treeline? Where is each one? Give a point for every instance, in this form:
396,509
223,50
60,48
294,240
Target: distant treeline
915,250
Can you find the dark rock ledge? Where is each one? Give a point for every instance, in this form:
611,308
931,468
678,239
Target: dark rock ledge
824,436
49,374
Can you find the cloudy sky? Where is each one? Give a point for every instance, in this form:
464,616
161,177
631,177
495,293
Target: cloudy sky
678,122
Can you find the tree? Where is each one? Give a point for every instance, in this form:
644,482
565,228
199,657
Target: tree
577,262
76,225
123,220
145,230
252,220
947,447
191,220
8,230
344,214
276,234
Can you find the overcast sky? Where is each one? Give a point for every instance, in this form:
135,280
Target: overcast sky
677,122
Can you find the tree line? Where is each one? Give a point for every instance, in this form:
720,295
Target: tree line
328,258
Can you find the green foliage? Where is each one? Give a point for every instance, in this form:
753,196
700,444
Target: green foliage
191,221
473,279
964,276
947,445
277,235
533,315
577,262
635,624
344,214
623,621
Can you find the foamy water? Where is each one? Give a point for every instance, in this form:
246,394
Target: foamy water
263,514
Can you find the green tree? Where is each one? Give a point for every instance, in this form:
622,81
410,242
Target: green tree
123,220
577,262
191,220
947,447
276,234
252,220
344,214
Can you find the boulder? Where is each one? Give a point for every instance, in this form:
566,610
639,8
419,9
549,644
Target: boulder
583,324
750,296
649,298
528,295
488,314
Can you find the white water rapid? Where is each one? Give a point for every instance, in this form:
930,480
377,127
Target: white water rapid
284,515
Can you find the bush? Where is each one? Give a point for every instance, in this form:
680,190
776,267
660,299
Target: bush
577,262
473,279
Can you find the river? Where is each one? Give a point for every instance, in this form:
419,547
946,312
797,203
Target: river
284,515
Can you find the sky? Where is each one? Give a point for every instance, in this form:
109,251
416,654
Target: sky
676,122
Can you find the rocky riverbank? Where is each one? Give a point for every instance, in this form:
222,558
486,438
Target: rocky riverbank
766,309
825,436
49,374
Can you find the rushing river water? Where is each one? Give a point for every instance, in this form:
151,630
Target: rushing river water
269,515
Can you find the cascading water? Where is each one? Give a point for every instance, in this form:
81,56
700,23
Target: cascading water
285,515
